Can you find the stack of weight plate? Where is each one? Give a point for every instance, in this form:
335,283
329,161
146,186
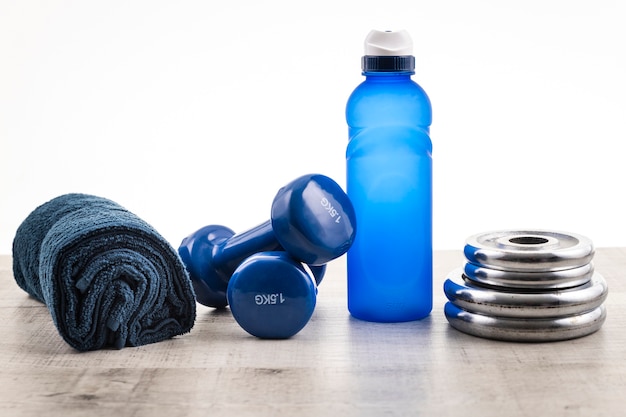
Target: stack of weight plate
526,286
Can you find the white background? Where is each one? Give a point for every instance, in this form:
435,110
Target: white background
196,112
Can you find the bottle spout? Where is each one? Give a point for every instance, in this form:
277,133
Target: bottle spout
388,43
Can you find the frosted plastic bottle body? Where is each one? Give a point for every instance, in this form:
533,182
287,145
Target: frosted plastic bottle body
389,181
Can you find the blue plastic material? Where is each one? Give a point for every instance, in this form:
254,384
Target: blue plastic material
196,251
312,219
389,182
271,296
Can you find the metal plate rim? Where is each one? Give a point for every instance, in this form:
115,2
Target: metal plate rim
525,330
548,280
515,304
563,250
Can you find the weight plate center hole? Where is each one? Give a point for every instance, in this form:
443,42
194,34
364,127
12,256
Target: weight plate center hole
529,240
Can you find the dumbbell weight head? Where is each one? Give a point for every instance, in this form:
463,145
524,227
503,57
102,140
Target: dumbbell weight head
313,219
271,296
196,252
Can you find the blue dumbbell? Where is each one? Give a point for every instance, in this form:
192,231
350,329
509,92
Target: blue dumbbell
312,221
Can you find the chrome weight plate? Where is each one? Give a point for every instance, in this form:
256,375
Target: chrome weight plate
525,330
529,250
531,280
524,304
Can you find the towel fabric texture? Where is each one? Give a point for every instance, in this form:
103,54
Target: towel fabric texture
107,277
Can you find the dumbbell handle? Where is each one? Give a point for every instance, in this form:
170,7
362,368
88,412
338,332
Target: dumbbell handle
228,254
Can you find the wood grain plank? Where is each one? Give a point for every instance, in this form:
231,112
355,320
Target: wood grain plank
335,366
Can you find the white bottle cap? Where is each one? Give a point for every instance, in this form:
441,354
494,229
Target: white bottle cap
388,43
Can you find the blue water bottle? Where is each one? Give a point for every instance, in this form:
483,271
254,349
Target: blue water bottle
389,181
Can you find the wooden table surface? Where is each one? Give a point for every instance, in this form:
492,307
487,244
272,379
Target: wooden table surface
336,366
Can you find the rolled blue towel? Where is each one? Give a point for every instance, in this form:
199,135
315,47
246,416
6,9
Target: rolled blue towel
107,277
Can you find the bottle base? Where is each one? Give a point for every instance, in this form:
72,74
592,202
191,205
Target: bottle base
378,318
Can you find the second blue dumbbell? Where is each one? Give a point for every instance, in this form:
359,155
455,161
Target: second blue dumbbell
312,219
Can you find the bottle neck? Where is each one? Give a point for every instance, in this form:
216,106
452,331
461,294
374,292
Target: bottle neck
388,76
388,63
